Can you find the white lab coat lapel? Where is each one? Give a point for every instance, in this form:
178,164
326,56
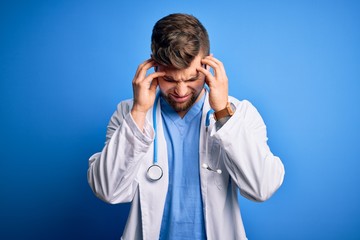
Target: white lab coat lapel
153,194
204,134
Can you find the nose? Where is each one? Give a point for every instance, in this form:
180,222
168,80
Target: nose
181,89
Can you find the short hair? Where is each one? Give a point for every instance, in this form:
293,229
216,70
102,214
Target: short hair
177,39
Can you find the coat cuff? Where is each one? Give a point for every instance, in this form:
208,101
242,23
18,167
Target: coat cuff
146,136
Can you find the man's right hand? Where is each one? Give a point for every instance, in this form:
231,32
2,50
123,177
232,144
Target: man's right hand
144,90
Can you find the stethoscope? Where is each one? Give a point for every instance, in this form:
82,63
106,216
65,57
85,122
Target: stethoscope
155,172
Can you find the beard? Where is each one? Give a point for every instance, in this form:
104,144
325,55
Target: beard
184,106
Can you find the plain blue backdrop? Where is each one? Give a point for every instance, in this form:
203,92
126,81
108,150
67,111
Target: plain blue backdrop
64,66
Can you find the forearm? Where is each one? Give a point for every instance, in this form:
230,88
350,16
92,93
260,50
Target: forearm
112,172
246,155
256,171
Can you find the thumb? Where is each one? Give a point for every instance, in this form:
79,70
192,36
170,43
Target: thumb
154,84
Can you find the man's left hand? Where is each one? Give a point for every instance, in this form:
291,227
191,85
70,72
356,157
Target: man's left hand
218,83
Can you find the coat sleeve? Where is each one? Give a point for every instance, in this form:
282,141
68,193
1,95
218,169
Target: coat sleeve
112,172
247,157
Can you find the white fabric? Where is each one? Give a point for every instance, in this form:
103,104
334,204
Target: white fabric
239,148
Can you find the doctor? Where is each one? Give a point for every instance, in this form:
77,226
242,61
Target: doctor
180,151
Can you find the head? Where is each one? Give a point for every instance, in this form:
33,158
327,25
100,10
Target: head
177,39
178,43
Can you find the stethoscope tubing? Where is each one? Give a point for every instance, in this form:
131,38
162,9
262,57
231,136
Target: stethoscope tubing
155,160
155,172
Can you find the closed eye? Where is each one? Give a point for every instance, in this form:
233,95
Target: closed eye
192,79
169,80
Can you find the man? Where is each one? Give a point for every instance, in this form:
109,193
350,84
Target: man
181,148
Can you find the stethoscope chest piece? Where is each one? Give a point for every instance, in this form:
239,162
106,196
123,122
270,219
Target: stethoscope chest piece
154,172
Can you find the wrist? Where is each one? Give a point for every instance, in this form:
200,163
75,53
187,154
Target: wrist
227,111
220,107
139,117
138,109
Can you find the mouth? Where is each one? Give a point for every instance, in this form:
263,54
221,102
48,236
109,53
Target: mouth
180,99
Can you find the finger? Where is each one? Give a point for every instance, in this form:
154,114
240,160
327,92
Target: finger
149,79
143,69
211,65
146,67
219,70
208,76
154,84
141,66
213,62
156,75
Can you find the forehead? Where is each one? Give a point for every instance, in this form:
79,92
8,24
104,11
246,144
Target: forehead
183,74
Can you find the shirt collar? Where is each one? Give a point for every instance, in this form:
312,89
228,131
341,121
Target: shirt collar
193,111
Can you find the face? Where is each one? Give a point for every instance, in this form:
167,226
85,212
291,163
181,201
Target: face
182,88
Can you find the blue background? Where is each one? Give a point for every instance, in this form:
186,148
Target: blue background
64,65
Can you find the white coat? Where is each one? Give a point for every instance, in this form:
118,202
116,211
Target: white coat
239,148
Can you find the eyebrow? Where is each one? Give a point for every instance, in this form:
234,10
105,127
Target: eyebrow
190,79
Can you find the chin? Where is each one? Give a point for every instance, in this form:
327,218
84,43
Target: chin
181,107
